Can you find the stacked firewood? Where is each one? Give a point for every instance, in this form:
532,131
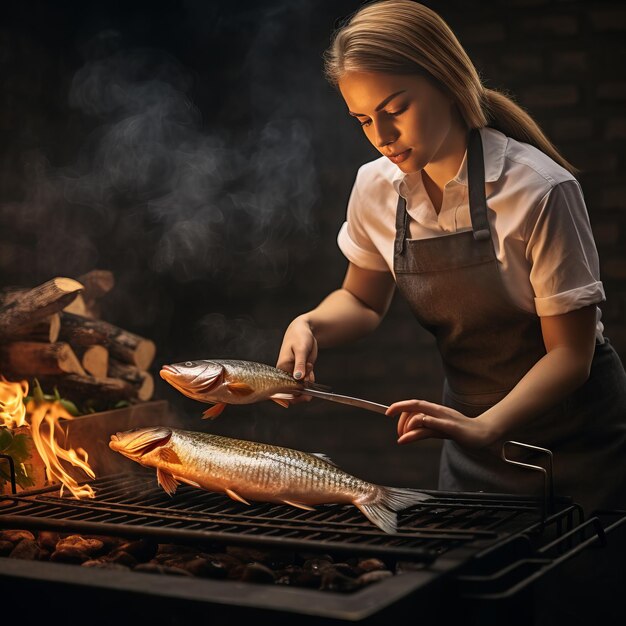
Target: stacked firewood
53,332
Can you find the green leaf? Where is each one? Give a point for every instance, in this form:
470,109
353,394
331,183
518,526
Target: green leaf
6,438
57,395
18,451
121,404
19,448
70,407
38,392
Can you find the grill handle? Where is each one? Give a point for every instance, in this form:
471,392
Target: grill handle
540,565
548,485
11,471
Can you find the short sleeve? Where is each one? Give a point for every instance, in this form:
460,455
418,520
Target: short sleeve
565,272
353,239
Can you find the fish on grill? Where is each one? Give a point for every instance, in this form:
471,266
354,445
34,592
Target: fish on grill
246,470
222,382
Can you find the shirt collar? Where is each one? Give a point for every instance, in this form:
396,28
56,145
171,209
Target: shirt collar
494,149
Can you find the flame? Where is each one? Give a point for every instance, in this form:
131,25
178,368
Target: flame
45,427
12,409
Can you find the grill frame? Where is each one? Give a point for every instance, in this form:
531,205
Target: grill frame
458,585
197,597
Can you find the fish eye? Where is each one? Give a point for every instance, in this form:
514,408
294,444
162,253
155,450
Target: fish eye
188,363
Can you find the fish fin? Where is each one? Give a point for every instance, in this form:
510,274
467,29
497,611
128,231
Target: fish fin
167,481
281,402
169,456
240,389
214,411
319,455
193,483
316,386
397,498
283,396
380,515
382,511
299,505
235,496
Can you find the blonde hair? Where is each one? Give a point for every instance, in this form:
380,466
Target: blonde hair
405,37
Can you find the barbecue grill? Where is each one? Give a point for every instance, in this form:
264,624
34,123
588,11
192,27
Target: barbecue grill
483,550
477,557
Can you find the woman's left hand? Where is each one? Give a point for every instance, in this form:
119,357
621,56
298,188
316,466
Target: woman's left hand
420,419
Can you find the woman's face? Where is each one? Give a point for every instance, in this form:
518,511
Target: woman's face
400,114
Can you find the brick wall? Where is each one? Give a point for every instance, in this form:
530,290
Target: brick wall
562,60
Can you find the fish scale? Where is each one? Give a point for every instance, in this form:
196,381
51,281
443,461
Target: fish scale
247,470
232,381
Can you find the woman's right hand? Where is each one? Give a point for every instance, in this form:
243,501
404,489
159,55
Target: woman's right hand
298,353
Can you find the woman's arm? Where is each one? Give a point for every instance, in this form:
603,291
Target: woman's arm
569,340
345,315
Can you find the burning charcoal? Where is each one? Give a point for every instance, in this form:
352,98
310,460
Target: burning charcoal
155,568
15,536
317,565
346,570
295,575
48,539
334,581
69,554
247,555
257,573
206,568
27,549
122,557
143,550
277,559
226,560
109,543
90,547
6,547
303,557
170,550
373,577
104,564
370,565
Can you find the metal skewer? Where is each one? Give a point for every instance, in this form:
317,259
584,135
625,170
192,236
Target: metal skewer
335,397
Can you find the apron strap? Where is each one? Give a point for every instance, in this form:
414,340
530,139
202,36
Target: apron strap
476,186
476,191
402,220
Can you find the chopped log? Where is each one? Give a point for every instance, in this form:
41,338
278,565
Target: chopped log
97,283
10,294
36,304
78,388
46,330
121,344
95,360
79,307
142,380
30,358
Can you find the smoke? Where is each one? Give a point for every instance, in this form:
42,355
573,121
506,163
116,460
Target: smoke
158,189
237,338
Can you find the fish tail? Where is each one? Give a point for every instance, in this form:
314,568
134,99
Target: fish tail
382,511
398,498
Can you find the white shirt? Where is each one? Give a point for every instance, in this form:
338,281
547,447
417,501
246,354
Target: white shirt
539,223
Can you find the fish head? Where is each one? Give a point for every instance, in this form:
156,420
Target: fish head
195,379
141,444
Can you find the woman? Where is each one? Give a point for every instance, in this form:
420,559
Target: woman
479,221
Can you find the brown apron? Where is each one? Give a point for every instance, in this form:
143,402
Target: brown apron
487,344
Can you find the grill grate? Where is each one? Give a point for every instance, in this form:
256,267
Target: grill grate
134,505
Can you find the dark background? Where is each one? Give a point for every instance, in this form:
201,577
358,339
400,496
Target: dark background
195,149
